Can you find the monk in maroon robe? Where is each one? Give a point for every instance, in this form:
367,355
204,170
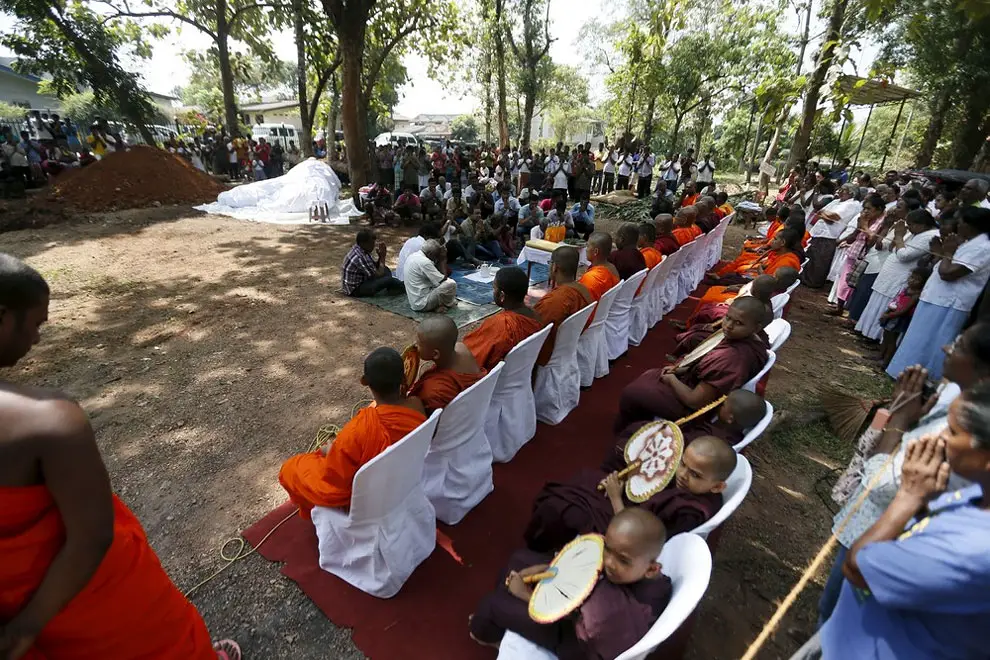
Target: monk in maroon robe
618,613
680,389
741,411
626,257
564,510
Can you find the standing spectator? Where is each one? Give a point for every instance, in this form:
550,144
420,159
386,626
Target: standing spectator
608,171
277,159
263,152
596,181
424,169
688,169
383,157
625,169
584,172
670,171
33,150
96,141
16,158
364,274
706,171
645,171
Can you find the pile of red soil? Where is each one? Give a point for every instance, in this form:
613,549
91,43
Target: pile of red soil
142,176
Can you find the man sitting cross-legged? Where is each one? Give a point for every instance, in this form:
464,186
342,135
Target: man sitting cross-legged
364,275
324,477
454,368
568,295
623,605
497,335
427,286
680,389
561,511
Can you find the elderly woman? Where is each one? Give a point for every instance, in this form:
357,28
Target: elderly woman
912,239
870,219
825,232
949,294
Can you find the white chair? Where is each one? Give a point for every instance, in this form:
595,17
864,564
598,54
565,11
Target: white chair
592,353
620,316
756,431
751,385
641,311
458,470
803,264
511,420
687,270
715,253
390,528
687,561
779,302
558,382
791,288
736,488
778,331
655,303
669,286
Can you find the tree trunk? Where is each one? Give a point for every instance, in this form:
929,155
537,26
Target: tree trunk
939,107
676,132
802,139
771,153
529,105
971,132
306,132
648,120
334,113
627,134
352,108
226,73
498,34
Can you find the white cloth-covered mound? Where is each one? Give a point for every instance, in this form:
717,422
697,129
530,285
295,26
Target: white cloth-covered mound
287,199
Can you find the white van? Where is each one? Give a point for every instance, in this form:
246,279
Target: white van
407,138
281,133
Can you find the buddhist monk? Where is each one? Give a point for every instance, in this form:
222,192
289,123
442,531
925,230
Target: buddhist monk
78,578
601,275
678,390
491,341
454,367
566,297
764,287
723,208
666,243
647,244
626,257
706,220
324,477
685,230
561,511
620,610
783,252
741,411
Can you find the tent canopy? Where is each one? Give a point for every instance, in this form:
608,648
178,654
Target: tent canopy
874,92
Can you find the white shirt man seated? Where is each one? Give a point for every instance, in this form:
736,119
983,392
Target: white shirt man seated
427,286
413,245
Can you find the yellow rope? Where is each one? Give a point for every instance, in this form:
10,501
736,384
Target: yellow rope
813,567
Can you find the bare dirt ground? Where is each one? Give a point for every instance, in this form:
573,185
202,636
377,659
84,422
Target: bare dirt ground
207,350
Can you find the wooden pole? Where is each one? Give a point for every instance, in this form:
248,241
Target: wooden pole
893,132
862,136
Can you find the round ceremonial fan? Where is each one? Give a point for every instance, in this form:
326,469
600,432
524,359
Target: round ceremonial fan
703,349
569,580
410,363
654,452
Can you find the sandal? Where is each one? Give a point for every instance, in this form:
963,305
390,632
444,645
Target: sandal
227,649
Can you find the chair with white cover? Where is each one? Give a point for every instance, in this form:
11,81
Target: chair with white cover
670,285
620,316
715,252
687,561
458,470
757,430
687,270
655,304
778,332
390,527
592,353
736,488
754,381
511,420
779,302
558,382
640,312
790,289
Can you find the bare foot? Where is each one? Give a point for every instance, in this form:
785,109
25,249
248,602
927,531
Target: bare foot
478,641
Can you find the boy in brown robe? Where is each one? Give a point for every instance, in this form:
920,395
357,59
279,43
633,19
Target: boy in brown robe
620,610
741,411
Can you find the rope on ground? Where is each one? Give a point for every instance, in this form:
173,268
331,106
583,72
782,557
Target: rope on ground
813,567
325,435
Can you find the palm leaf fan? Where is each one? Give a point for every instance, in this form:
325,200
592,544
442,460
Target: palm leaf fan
847,413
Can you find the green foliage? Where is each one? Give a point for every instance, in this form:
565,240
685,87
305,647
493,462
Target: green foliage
83,109
464,128
8,111
253,78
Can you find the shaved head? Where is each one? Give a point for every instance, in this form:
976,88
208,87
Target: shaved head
648,232
642,529
721,458
513,283
688,213
566,259
384,371
601,241
436,333
627,235
752,307
745,408
764,287
786,276
665,223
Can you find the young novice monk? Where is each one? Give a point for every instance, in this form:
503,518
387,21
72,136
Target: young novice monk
624,604
740,412
491,341
454,367
323,477
601,275
678,390
566,297
561,511
647,243
763,288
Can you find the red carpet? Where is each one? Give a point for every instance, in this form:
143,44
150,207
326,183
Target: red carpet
428,618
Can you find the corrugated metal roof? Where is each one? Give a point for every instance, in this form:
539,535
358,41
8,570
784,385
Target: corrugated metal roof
864,91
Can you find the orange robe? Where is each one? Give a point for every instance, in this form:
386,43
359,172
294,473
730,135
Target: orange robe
316,480
438,387
128,609
726,209
770,262
689,200
685,235
555,307
652,256
491,341
753,244
598,280
739,265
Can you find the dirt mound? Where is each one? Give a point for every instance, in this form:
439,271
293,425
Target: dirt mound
133,179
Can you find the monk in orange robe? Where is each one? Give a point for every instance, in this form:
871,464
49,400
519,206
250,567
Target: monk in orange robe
78,578
647,241
782,254
685,229
324,477
566,297
491,341
689,196
454,367
711,308
723,208
601,275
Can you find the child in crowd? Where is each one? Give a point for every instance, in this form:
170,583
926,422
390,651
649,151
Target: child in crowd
741,411
259,170
898,315
619,611
561,511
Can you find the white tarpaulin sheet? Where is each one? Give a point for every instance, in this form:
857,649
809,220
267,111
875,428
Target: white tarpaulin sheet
287,199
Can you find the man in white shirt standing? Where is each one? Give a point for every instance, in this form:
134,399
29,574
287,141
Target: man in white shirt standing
706,171
625,170
427,286
608,171
670,171
832,221
645,171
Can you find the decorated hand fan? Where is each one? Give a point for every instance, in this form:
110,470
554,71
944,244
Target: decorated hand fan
569,580
703,349
410,362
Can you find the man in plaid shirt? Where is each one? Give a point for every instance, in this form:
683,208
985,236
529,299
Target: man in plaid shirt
365,275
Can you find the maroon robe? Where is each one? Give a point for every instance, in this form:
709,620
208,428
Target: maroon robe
561,511
611,620
707,224
628,261
667,244
726,367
